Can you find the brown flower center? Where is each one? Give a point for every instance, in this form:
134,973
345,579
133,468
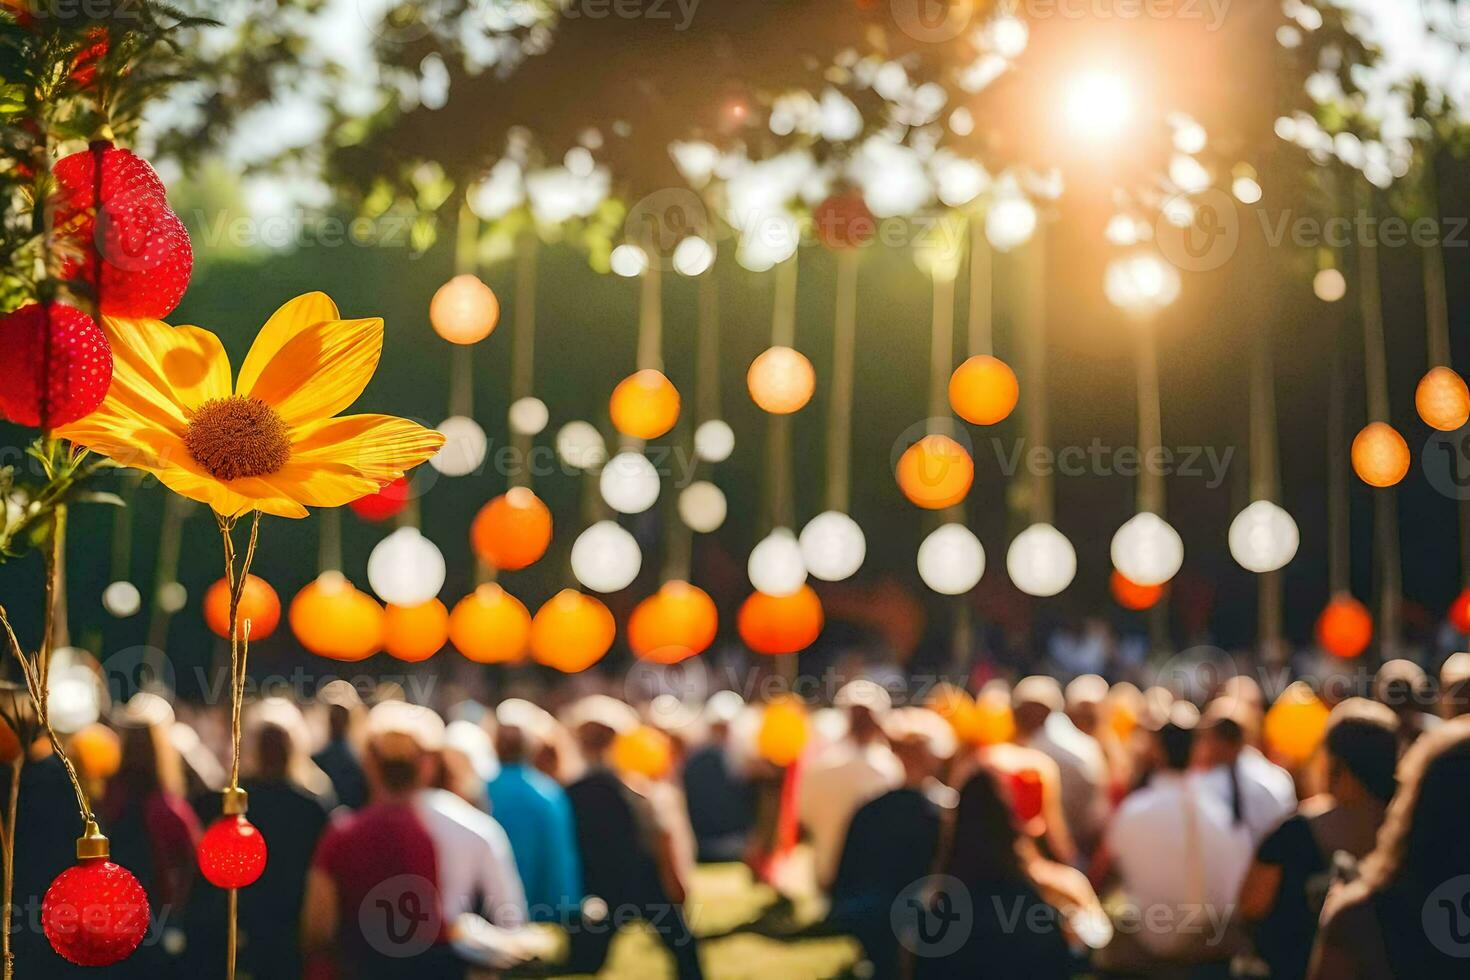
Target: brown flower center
238,437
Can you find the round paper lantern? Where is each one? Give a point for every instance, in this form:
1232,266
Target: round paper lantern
464,310
1147,550
992,721
490,626
172,596
1041,561
527,416
643,751
983,390
387,502
951,559
1344,627
122,599
1295,724
1442,399
333,619
1380,455
580,446
780,624
415,633
675,623
628,260
232,853
644,405
714,441
512,531
1329,285
97,751
783,732
702,506
571,632
606,558
693,256
781,380
955,706
629,483
258,603
1130,595
935,472
775,566
832,546
1459,614
95,913
465,444
1263,537
1010,221
406,568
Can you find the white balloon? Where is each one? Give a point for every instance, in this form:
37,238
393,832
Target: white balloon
464,447
951,560
75,696
1263,537
122,599
702,506
1147,550
628,260
693,256
714,441
580,445
1041,561
172,596
629,483
528,416
833,546
1009,222
406,568
606,558
775,566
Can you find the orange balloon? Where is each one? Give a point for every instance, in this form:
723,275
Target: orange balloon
331,618
1295,724
675,623
644,405
1344,627
783,732
97,751
781,380
512,531
1131,595
935,472
464,310
983,390
1380,455
643,751
571,632
258,603
490,626
1442,399
415,633
780,624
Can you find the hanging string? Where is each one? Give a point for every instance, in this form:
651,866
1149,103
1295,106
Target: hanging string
651,317
941,350
1265,481
680,561
844,346
980,338
523,353
783,334
461,357
1150,419
329,544
1338,542
1032,341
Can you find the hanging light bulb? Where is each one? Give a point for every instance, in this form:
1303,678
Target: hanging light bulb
1010,222
122,599
781,380
775,566
832,546
702,506
580,446
628,261
1041,561
606,558
693,256
629,483
464,447
1147,550
406,568
1263,537
528,416
951,559
714,441
464,310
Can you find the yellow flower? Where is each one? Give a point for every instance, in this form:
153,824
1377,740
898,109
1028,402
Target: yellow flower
271,443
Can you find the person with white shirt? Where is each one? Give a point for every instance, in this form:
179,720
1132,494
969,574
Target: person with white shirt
1042,724
1259,793
477,870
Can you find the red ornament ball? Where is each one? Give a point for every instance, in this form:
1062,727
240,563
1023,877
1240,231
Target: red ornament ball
1344,627
68,348
388,502
232,853
95,914
1460,612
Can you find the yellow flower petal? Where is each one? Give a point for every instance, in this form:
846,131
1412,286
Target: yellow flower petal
288,321
379,448
161,373
321,370
320,487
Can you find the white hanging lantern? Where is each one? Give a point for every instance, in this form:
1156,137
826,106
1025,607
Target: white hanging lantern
776,567
629,483
1041,561
951,560
74,692
122,599
464,447
1147,550
628,261
833,546
580,446
1263,537
702,506
714,441
1010,221
528,416
693,256
172,596
606,558
406,568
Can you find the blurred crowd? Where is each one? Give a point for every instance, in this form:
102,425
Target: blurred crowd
1024,830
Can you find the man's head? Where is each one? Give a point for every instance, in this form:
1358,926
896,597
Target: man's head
1085,697
1362,744
922,740
343,706
866,703
596,721
1403,686
1174,739
404,742
1221,736
1454,686
1033,700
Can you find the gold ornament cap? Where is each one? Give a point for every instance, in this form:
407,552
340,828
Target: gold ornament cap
236,802
92,845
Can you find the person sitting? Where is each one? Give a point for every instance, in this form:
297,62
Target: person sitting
1259,793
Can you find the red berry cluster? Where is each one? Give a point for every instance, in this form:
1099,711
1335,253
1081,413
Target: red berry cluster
95,914
55,365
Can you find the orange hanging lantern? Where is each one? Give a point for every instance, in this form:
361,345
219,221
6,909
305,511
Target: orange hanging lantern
935,472
490,626
512,531
781,380
258,603
783,732
1345,627
415,633
1295,724
675,623
780,624
1459,614
955,706
644,405
983,390
571,632
1442,399
331,618
993,721
464,310
1380,455
643,751
1131,595
97,751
